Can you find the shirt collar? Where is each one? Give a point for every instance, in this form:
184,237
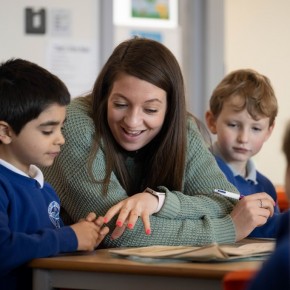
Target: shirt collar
250,167
34,172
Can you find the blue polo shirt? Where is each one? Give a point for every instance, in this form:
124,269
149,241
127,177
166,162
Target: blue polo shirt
254,182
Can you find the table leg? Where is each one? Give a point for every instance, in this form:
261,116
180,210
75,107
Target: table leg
41,280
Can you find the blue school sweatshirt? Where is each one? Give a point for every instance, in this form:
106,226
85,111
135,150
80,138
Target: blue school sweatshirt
30,227
275,272
247,187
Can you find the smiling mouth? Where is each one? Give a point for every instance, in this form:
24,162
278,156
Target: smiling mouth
133,133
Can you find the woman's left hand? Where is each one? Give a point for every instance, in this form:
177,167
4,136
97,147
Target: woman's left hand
130,209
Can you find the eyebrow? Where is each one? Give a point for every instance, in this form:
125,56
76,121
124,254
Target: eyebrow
154,100
51,123
148,101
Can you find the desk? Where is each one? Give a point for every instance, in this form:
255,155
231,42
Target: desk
99,270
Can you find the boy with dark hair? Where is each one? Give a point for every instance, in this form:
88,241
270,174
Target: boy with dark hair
242,113
32,112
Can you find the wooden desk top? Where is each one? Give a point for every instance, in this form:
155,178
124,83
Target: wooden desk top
103,261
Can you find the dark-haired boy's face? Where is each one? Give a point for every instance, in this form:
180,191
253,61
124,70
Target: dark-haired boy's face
39,141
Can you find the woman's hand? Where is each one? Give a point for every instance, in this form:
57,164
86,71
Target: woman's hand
130,209
250,212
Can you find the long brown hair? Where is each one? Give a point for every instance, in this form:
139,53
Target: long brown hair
151,61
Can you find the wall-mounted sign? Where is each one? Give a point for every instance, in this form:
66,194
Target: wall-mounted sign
35,21
60,22
74,62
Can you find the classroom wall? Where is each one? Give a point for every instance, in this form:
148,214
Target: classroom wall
257,36
68,47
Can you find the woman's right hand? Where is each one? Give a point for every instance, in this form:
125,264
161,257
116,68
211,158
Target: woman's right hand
250,212
141,205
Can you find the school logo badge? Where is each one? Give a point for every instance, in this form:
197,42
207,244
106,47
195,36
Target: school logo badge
53,213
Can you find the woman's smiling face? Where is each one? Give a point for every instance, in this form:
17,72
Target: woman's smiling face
136,111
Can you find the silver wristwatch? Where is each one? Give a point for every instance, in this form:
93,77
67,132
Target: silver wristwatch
159,195
153,192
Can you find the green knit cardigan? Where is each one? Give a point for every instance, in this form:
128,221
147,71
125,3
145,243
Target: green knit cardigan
195,216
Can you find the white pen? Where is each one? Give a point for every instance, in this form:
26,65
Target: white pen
229,194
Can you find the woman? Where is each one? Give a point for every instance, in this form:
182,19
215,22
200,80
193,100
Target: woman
132,133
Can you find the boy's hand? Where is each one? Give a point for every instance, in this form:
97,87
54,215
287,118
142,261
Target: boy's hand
250,212
90,232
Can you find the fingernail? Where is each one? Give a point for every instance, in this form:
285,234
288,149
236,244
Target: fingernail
148,232
119,223
130,226
105,220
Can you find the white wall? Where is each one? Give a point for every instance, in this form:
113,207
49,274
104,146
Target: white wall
257,36
83,33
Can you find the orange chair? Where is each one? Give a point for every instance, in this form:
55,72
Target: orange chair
282,199
238,280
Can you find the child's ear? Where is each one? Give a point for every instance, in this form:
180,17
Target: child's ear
210,122
270,130
5,132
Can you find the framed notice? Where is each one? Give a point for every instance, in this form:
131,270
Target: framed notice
146,13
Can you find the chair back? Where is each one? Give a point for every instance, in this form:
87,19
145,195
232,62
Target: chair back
238,280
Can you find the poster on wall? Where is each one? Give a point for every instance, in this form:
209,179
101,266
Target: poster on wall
146,13
60,22
74,62
157,36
